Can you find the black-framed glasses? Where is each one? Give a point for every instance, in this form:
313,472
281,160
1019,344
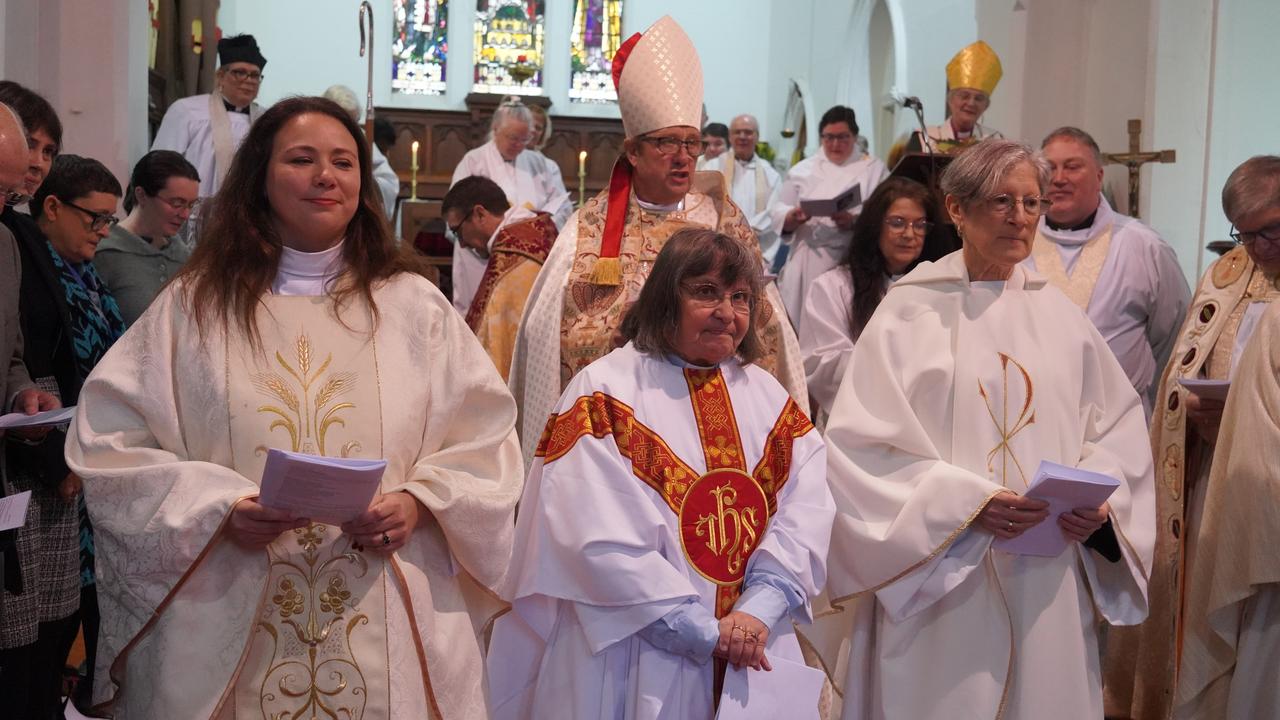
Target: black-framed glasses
457,229
709,295
241,75
1271,234
670,145
836,137
97,221
900,224
1034,205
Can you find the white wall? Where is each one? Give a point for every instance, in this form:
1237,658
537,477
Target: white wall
90,61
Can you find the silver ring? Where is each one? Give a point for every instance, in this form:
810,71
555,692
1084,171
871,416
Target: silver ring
386,539
1010,527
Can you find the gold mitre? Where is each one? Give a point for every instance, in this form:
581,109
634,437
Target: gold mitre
976,66
659,79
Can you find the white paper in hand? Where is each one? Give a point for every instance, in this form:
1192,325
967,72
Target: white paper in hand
13,510
791,690
1207,389
322,489
40,419
1065,489
846,200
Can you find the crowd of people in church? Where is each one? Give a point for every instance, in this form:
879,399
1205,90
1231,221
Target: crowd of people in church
764,446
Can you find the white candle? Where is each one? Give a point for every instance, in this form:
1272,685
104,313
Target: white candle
414,160
582,163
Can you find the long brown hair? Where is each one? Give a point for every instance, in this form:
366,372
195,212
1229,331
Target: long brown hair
238,252
864,258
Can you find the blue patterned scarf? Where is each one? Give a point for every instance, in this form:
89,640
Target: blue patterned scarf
95,326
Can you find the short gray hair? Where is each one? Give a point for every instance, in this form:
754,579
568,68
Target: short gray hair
346,99
511,109
1067,132
1252,187
976,173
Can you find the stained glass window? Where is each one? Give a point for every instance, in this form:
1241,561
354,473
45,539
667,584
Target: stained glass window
597,33
419,46
508,44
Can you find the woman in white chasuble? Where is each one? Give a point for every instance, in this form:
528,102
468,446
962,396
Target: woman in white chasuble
297,324
676,511
972,371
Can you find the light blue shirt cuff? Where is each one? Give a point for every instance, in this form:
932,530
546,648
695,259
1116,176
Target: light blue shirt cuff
770,598
690,631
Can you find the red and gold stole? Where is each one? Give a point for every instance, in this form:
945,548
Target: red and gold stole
529,239
724,512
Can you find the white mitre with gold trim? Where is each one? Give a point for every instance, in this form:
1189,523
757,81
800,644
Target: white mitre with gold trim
659,79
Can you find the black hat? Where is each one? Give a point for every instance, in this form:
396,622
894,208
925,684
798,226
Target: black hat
240,48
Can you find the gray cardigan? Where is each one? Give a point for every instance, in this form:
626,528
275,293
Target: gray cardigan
135,270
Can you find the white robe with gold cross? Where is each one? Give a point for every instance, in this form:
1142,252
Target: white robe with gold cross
171,432
956,391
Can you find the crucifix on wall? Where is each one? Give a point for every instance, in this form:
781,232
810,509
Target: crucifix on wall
1135,159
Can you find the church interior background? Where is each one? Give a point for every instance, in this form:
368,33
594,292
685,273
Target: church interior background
1197,73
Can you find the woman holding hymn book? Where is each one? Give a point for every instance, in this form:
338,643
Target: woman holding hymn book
278,334
971,374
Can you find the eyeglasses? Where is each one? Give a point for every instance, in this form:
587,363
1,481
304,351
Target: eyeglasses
250,75
670,145
708,295
1032,204
900,224
457,229
522,139
836,137
1270,233
16,197
98,221
179,204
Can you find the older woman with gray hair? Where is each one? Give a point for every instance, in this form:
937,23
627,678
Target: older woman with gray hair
522,175
971,373
676,517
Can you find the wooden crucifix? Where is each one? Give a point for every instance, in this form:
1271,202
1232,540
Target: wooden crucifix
1135,159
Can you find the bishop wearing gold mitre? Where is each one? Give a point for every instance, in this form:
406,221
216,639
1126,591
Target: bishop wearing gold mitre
972,76
605,252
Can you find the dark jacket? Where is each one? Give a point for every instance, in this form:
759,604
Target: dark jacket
47,338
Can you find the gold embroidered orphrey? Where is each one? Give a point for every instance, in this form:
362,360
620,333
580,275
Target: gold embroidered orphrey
1008,430
319,641
307,418
1079,285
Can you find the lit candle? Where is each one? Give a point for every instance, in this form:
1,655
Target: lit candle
582,177
413,169
582,163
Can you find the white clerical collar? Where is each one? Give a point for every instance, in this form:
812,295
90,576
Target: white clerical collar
749,162
304,273
1102,219
656,208
682,363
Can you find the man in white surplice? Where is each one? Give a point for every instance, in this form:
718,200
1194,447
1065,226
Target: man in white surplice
971,372
817,243
522,175
207,129
1118,270
751,181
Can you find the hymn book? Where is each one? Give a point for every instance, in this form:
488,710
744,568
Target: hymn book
850,198
1207,389
321,489
1065,489
790,690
